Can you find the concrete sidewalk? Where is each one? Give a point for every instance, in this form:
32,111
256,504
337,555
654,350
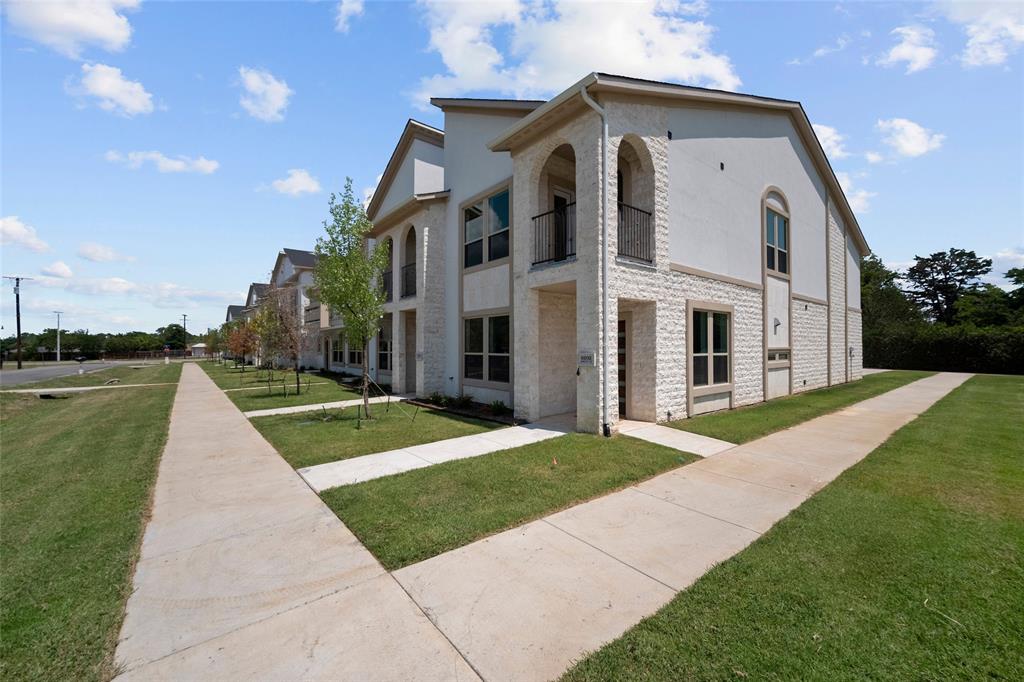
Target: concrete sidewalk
674,438
296,409
246,574
526,603
380,464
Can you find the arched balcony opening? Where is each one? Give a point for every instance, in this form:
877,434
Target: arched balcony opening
554,228
635,192
408,272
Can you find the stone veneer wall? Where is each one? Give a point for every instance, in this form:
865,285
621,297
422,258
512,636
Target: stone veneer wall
430,311
857,362
557,361
837,296
810,345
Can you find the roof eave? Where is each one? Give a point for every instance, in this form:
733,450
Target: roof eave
413,129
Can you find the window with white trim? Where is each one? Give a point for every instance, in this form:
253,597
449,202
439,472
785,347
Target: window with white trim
710,351
355,354
487,349
776,227
486,230
337,351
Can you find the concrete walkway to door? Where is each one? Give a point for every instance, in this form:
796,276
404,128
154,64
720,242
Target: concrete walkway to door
246,574
526,603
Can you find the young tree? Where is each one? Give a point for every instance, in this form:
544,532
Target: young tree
939,280
348,274
283,331
242,340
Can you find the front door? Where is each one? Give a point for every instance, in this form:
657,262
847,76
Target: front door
622,368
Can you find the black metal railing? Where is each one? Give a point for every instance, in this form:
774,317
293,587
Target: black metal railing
636,233
386,286
312,314
408,280
554,235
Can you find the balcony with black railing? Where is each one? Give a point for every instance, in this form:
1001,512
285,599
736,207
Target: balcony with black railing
312,314
554,235
386,285
636,234
408,275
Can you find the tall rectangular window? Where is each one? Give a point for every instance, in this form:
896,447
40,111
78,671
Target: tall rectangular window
473,349
776,239
487,349
384,349
485,230
710,350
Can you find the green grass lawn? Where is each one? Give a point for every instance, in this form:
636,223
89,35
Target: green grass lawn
748,423
75,483
127,374
321,389
416,515
307,438
909,566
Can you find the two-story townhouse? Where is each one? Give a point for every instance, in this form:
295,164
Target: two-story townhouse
725,270
293,272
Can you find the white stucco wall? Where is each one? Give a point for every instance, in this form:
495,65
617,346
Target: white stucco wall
486,289
778,309
852,274
715,214
470,169
421,170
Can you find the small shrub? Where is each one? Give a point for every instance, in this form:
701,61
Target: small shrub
438,398
499,408
462,401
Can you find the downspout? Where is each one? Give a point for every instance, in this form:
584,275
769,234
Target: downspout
605,425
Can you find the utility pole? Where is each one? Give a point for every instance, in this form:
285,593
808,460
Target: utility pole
59,313
184,329
17,309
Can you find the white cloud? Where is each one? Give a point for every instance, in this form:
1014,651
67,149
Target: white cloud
265,97
916,47
841,43
100,253
69,26
529,49
347,9
874,157
299,181
859,198
58,269
113,91
164,164
368,192
13,232
831,141
908,138
161,295
995,30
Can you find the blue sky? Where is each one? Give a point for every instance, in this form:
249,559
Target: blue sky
156,156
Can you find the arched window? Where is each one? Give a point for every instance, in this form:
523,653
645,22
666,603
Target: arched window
776,234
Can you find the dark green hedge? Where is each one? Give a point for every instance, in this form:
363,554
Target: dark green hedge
994,350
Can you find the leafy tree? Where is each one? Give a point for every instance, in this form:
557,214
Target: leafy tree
938,281
987,306
282,329
242,340
883,303
174,335
348,274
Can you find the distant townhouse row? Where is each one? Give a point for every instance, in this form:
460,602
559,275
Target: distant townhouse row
724,271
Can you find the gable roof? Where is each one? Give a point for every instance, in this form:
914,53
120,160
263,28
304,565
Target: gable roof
257,289
569,102
414,130
300,258
487,104
233,312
